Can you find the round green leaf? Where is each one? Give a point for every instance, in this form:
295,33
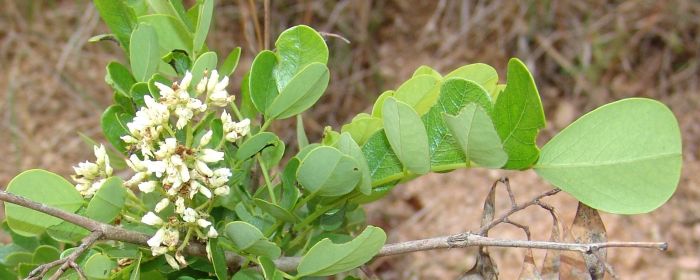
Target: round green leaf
43,187
362,127
476,135
420,92
144,56
255,144
108,201
45,254
261,81
113,123
250,239
98,266
624,157
348,146
326,258
328,172
480,73
205,62
298,47
173,34
301,92
407,135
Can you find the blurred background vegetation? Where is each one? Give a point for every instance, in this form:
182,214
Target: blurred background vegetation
582,53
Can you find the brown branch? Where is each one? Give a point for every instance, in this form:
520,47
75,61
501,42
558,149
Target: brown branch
290,263
68,262
515,208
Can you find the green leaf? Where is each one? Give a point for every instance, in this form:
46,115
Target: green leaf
108,202
480,73
476,135
45,254
379,103
255,144
328,172
263,89
113,123
172,33
270,271
205,62
247,107
231,62
445,151
518,116
203,22
276,211
119,78
383,163
301,92
407,135
178,60
120,19
326,258
144,56
362,127
624,157
302,138
138,91
420,92
218,259
43,187
67,232
98,266
348,146
298,47
136,270
248,274
250,239
426,70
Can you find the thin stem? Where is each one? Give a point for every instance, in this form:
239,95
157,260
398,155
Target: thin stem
258,35
265,125
266,176
266,24
185,241
188,136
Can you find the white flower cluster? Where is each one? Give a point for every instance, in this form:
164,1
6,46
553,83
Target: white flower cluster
180,172
89,176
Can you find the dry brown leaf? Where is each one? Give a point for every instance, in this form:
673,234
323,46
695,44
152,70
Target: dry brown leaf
485,268
589,228
552,260
529,271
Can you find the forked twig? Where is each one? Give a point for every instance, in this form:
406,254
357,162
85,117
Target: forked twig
67,262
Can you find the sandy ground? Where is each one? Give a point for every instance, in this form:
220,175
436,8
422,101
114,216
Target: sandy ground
582,53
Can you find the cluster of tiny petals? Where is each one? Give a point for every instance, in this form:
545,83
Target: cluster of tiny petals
89,176
180,172
177,171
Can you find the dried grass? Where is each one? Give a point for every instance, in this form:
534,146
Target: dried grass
582,53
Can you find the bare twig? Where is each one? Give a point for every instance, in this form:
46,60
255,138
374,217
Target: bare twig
67,262
266,24
504,218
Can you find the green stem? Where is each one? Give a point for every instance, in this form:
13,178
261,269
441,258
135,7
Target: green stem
305,201
188,136
236,112
273,228
268,182
318,212
185,241
265,125
169,130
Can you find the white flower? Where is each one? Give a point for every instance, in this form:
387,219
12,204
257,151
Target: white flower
166,148
162,204
205,191
212,233
234,130
151,219
220,177
87,169
194,188
202,85
211,155
206,138
184,115
171,237
190,215
222,191
157,238
158,250
203,168
148,186
171,261
156,167
165,90
203,223
180,205
185,83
